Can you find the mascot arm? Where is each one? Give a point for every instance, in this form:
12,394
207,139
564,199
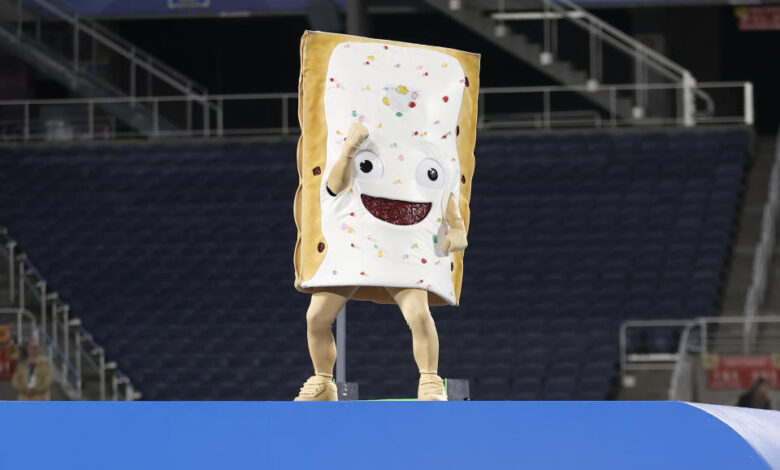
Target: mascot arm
456,237
341,175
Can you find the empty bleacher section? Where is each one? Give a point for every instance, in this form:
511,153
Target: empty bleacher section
178,257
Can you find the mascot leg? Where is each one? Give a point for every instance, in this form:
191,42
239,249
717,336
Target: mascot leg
323,310
425,341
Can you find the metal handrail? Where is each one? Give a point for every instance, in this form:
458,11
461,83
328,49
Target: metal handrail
121,46
601,32
683,346
619,39
764,250
214,120
20,313
26,268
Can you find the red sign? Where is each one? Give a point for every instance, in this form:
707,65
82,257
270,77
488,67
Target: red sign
739,372
7,365
758,18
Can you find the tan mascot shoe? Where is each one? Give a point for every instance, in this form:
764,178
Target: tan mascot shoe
431,388
317,389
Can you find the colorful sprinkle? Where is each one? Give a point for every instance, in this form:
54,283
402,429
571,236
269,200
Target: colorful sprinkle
385,47
438,219
335,272
424,261
415,246
425,74
406,256
399,114
438,262
435,240
386,101
394,145
444,65
338,132
402,90
445,98
361,118
354,113
412,104
370,57
398,66
415,95
436,122
352,214
352,245
344,226
380,253
401,157
362,273
397,181
366,63
350,230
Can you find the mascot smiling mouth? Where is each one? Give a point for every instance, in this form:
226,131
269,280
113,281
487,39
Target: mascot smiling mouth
396,212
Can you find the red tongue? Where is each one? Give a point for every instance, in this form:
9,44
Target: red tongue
396,212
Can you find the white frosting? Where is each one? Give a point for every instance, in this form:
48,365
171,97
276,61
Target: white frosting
409,99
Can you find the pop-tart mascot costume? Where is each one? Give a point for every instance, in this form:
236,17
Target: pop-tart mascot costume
385,162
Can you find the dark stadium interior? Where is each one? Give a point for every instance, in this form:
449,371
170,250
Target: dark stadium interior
179,258
175,251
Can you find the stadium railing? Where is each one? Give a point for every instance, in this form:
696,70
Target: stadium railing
698,338
543,108
23,322
68,345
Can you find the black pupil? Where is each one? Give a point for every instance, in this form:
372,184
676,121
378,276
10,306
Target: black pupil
366,166
433,175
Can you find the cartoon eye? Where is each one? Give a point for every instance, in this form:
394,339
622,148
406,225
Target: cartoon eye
430,174
367,166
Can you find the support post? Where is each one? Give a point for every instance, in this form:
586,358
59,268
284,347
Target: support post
689,103
341,345
11,272
102,365
76,44
748,97
357,17
78,360
20,260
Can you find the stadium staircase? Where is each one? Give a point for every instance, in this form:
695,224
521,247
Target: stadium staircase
530,32
178,258
93,62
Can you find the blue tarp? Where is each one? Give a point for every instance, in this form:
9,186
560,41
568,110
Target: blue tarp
534,435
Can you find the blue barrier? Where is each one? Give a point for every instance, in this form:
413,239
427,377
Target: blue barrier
227,435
